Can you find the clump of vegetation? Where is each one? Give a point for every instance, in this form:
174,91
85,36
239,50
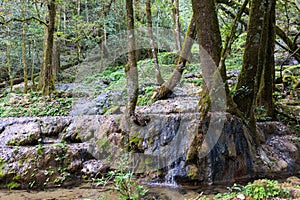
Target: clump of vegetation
259,189
144,100
34,104
123,182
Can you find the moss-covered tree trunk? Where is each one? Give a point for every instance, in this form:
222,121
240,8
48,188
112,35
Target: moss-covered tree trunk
255,82
209,39
245,89
46,81
265,91
166,89
131,67
158,76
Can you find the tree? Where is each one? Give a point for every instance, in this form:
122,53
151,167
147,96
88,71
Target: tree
267,75
209,39
158,76
131,67
46,81
8,63
166,89
256,79
258,63
176,24
24,48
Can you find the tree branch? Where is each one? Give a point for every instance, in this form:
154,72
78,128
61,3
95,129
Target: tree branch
23,20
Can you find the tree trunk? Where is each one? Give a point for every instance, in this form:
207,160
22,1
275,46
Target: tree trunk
158,76
131,67
32,51
176,24
46,82
209,39
8,50
24,48
231,106
265,91
101,31
255,82
245,86
166,89
291,46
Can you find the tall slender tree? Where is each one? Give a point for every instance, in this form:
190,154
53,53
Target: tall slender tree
176,24
131,67
209,39
46,81
24,60
158,76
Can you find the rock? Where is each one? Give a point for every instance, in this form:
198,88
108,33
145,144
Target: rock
114,110
282,165
241,196
99,105
27,133
294,180
94,168
62,149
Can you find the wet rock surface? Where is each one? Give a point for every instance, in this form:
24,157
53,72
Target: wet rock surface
171,147
55,151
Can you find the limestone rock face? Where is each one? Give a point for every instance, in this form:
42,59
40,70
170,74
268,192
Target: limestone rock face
170,147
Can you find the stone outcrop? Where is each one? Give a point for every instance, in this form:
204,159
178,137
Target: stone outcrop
54,151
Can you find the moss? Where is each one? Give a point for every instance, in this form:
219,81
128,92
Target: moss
104,144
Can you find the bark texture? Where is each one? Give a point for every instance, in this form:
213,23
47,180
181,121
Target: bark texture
209,39
46,81
131,67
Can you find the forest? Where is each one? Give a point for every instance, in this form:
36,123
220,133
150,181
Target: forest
150,99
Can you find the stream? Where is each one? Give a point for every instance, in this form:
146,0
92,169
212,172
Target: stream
87,192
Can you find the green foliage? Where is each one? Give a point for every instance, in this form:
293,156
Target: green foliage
1,168
259,189
168,58
13,185
144,99
260,111
235,59
123,182
127,188
34,104
265,188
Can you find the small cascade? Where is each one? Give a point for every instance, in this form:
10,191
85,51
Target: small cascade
173,170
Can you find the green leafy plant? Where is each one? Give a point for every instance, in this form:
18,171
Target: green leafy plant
259,189
144,100
13,185
265,188
123,182
34,104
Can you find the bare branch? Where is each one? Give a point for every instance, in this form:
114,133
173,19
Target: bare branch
22,20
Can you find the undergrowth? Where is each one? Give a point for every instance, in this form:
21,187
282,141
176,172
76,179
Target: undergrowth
259,189
34,104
